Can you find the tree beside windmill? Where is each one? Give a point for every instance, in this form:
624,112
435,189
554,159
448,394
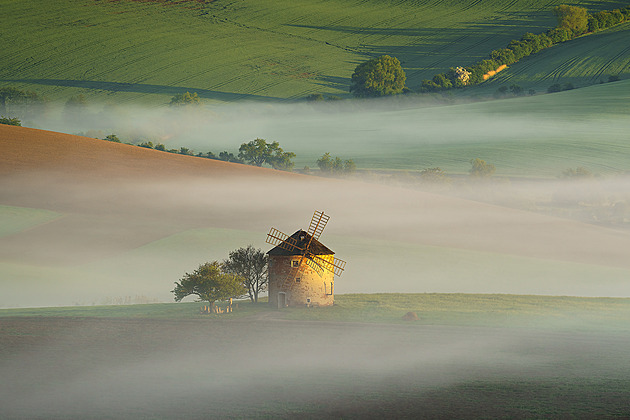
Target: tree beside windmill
302,269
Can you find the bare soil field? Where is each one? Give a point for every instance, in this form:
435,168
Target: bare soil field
273,368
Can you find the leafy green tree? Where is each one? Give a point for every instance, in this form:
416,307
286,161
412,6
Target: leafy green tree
161,147
556,87
23,104
251,265
442,81
579,172
315,97
184,151
516,90
281,160
501,92
335,166
503,56
573,18
185,99
325,163
77,101
258,152
8,94
228,157
349,167
481,169
558,35
380,76
147,145
210,282
434,176
113,138
10,121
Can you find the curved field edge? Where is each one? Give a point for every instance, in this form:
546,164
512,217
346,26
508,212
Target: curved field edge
145,52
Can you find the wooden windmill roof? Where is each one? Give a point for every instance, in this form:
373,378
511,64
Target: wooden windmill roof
302,239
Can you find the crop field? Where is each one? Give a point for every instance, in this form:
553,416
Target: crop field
469,356
145,52
582,62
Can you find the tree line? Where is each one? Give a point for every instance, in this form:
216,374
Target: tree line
258,152
573,21
383,76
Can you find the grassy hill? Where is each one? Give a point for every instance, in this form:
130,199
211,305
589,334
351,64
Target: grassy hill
145,52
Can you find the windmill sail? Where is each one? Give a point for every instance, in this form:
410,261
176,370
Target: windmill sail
336,265
314,264
318,223
282,240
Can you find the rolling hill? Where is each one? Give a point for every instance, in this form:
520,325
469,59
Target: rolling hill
147,51
101,220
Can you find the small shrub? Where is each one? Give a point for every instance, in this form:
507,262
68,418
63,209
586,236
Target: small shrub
11,121
113,138
185,99
556,87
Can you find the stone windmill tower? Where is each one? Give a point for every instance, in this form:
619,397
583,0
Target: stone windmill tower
302,269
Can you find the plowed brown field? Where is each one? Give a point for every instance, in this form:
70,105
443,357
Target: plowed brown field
27,151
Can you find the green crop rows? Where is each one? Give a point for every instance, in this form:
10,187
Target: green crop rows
129,51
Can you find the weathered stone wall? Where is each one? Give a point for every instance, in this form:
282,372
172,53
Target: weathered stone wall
305,284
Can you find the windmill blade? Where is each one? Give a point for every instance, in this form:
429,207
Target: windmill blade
318,223
314,265
336,265
282,240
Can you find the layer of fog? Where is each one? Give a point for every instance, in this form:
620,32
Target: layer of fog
395,131
129,368
139,238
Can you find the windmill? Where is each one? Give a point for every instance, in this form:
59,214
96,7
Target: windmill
302,269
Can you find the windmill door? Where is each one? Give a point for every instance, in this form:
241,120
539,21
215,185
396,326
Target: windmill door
282,300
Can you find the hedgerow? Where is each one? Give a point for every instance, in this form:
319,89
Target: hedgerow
573,21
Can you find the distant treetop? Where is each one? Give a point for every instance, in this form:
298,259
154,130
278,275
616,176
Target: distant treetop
380,76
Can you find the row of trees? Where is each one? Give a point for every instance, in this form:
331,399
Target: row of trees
258,153
336,166
243,273
573,21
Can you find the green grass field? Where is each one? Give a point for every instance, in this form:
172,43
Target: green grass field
145,52
456,309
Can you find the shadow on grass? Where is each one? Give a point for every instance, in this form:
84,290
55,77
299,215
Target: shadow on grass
143,88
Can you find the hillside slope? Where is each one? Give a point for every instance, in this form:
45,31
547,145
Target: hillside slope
584,61
88,232
129,51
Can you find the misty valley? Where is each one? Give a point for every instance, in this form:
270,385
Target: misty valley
296,209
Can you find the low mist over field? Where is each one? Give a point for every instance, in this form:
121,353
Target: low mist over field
536,136
109,221
84,368
134,223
